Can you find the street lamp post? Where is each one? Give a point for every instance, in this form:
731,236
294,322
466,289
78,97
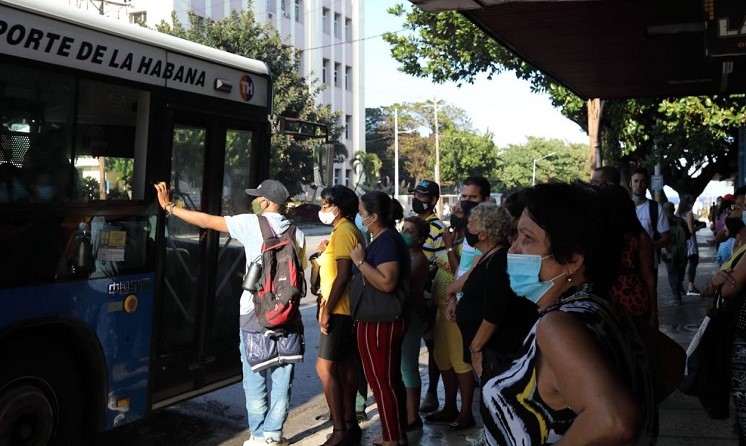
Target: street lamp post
396,151
533,174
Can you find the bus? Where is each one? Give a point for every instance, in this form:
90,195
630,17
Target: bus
111,310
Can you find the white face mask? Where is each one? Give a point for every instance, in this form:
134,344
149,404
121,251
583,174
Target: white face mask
327,217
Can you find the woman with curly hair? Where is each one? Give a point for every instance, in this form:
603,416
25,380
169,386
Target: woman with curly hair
492,319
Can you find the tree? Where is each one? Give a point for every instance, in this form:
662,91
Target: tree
465,154
240,34
447,47
463,151
516,163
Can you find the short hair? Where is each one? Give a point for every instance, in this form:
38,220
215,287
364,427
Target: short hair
588,233
343,198
641,171
387,209
611,174
481,183
422,226
493,220
515,202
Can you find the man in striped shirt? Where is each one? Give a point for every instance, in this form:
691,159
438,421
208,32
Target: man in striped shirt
425,195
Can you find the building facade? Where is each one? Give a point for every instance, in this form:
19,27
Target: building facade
329,35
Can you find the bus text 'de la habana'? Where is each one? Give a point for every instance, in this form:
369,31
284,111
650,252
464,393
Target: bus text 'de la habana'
110,310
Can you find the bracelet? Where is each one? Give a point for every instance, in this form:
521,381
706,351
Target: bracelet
170,210
474,351
359,262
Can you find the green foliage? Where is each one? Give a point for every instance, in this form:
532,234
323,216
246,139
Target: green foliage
568,163
370,165
693,138
465,154
88,188
240,34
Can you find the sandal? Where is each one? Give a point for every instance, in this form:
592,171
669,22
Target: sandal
441,417
458,426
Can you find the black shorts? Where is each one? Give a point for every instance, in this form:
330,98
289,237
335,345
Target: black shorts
341,342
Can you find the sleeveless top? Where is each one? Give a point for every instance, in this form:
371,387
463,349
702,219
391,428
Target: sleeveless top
443,277
515,414
629,288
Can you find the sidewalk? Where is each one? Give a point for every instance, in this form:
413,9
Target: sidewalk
682,419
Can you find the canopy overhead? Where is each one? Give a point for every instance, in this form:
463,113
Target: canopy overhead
620,48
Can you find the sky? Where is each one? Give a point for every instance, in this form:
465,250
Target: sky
504,105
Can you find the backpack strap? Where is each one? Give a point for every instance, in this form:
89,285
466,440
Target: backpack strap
653,207
266,229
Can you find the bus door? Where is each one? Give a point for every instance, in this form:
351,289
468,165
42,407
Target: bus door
196,345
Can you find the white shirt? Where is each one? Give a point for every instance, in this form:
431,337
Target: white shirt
245,228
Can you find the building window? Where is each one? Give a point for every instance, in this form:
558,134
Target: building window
348,78
348,175
325,20
138,17
348,126
348,30
283,5
337,175
324,69
336,25
297,10
337,76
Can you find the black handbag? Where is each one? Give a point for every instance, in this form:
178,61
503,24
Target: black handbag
369,304
708,363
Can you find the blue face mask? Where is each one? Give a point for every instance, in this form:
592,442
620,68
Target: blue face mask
360,225
523,270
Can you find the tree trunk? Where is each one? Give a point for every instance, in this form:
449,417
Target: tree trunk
595,107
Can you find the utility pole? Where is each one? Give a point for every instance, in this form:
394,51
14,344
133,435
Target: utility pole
396,153
438,205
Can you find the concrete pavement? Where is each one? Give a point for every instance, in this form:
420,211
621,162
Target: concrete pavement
682,419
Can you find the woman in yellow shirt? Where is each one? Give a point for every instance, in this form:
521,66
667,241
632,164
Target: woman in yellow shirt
335,364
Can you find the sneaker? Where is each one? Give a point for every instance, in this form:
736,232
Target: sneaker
693,292
282,441
477,439
254,441
430,403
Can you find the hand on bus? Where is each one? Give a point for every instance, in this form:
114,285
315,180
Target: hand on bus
161,189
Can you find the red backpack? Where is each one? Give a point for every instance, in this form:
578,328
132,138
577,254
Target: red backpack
282,283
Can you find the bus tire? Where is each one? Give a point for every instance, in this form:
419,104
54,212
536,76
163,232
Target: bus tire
40,396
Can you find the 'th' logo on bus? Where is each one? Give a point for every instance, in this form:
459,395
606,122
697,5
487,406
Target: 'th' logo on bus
246,88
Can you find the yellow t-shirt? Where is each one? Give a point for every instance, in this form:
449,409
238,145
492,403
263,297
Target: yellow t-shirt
344,237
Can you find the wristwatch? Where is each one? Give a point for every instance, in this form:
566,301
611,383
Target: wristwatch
472,351
359,262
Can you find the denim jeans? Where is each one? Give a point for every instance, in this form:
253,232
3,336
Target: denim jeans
266,415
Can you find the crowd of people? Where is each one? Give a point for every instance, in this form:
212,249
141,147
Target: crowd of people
546,304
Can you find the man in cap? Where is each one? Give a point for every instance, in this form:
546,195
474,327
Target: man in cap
266,418
425,196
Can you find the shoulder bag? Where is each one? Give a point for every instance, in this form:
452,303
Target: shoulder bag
369,304
707,373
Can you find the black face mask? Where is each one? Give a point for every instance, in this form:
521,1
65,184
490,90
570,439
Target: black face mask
471,239
467,206
419,206
458,222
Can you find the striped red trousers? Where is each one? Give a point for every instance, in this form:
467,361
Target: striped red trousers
379,344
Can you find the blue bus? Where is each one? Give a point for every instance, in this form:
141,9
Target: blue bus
109,309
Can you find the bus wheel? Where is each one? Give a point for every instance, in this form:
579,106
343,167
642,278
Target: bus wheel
40,399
